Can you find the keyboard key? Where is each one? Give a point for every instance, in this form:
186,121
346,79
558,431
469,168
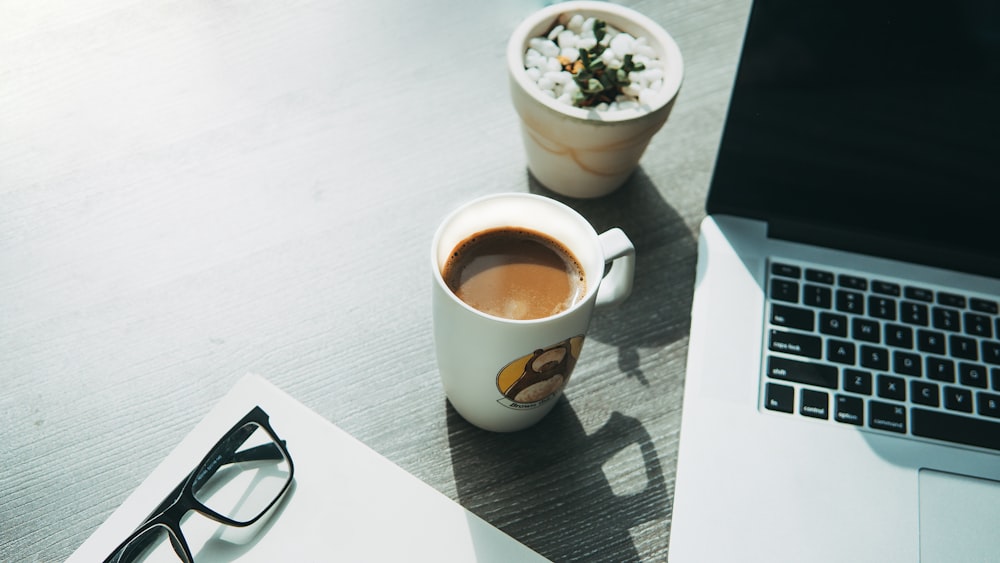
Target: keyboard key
815,404
924,393
886,416
857,381
820,375
951,300
978,325
873,357
886,288
852,282
833,324
972,375
930,341
866,329
899,336
940,425
946,319
963,347
988,404
913,313
850,302
891,387
957,399
819,276
779,398
817,296
786,270
995,376
784,290
792,317
850,410
906,363
991,352
941,369
798,344
840,351
984,306
919,294
882,307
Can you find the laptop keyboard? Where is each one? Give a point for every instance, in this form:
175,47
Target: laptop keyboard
882,354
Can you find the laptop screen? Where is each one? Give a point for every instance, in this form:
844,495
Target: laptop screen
871,126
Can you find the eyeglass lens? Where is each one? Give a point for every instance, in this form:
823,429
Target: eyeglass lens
243,476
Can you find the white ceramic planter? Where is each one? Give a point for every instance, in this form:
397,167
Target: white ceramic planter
580,152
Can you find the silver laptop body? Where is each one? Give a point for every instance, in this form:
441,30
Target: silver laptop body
842,400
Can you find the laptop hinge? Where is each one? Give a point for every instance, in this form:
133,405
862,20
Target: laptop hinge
917,251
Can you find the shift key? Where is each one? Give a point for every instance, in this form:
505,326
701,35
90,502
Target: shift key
802,372
798,344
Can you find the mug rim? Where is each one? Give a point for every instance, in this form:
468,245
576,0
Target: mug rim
592,234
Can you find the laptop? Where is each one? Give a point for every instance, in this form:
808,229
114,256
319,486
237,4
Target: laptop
842,399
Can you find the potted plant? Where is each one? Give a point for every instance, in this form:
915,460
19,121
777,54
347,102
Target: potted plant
585,135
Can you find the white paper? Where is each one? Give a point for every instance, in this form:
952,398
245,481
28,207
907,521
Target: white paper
347,503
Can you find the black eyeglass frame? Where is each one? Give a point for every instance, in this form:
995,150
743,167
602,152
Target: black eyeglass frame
183,500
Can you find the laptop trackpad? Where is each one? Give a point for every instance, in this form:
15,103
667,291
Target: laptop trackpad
958,518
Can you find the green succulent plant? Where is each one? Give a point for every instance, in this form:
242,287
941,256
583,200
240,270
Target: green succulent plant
598,83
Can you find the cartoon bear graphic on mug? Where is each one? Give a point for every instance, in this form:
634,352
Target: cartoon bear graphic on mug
539,375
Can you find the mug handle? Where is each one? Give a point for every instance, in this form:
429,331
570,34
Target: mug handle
617,283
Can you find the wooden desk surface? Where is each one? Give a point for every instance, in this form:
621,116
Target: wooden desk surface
191,189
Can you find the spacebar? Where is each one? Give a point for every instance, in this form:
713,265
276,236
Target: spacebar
953,428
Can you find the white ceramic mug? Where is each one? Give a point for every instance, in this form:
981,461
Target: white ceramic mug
483,358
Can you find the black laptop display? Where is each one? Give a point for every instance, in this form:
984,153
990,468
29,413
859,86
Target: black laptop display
871,126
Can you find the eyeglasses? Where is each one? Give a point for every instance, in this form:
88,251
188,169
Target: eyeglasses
236,484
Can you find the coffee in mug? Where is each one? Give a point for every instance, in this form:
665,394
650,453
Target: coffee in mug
515,273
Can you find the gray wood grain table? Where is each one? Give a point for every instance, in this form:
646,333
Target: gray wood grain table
194,189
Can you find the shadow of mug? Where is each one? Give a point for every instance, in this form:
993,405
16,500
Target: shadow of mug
657,313
547,487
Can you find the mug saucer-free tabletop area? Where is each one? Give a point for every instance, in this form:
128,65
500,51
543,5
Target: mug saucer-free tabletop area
193,190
